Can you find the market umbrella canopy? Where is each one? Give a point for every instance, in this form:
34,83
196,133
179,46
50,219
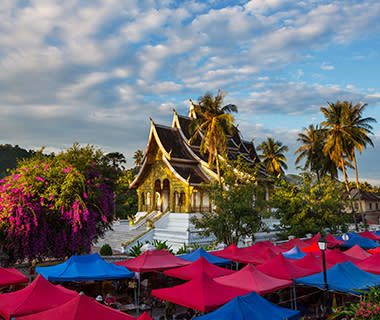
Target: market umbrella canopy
292,243
312,248
253,307
313,239
196,269
83,268
251,279
355,239
194,256
145,316
370,235
294,253
201,293
153,260
39,296
79,308
357,252
371,264
280,267
374,251
10,276
336,256
309,262
232,252
332,241
343,277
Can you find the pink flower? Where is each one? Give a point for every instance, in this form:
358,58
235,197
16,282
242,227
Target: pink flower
85,195
39,179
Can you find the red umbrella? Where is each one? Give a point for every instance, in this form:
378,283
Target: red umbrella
251,279
79,308
371,264
201,293
261,256
280,267
374,251
145,316
11,276
370,235
153,260
40,295
357,252
197,268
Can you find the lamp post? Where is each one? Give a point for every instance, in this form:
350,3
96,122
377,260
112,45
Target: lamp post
322,244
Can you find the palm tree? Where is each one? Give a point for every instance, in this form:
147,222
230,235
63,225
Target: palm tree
138,157
273,158
338,135
213,123
312,140
361,127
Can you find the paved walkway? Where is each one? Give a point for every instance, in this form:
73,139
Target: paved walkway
120,233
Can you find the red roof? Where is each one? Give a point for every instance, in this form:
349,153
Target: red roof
280,267
332,241
309,262
197,268
40,295
369,235
251,279
292,243
201,293
11,276
232,252
357,252
336,256
371,264
312,248
153,260
79,308
313,239
145,316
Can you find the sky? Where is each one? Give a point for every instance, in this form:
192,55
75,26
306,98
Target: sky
93,72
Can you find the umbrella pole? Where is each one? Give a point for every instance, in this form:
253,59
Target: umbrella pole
291,297
295,297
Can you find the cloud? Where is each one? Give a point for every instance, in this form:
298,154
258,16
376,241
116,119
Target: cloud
325,66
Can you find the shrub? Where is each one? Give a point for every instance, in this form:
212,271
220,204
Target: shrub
135,251
106,250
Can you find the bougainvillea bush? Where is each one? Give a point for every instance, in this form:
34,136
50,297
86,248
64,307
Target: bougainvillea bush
50,208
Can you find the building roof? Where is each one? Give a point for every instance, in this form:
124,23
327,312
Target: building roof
364,195
184,159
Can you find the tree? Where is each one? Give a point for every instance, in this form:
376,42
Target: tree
56,206
340,136
138,157
273,158
234,216
311,150
361,129
126,198
213,123
310,206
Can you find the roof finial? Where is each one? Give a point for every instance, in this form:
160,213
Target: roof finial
192,113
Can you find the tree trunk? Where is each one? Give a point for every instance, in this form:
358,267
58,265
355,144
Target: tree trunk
217,166
344,174
358,187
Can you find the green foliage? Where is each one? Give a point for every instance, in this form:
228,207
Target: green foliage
158,244
135,251
126,198
234,217
9,156
106,250
310,206
272,156
183,249
367,308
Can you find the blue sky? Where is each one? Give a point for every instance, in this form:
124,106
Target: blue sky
94,71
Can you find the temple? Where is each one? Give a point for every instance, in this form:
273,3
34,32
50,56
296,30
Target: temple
173,170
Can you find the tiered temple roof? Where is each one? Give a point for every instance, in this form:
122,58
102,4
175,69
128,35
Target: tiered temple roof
184,159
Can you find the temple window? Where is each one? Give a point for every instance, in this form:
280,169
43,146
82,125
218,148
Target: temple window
143,198
181,201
